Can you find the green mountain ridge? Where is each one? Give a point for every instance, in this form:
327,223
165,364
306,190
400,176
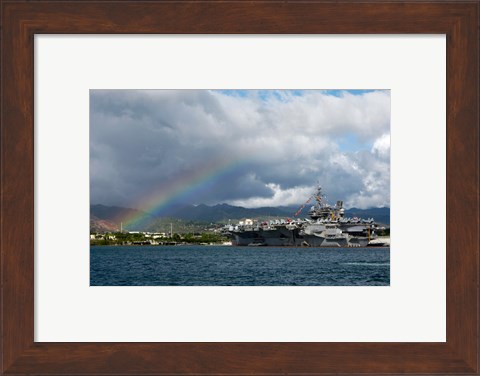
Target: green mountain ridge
192,218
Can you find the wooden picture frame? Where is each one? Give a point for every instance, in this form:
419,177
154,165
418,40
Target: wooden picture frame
21,20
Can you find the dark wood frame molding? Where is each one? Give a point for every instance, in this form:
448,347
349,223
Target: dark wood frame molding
21,20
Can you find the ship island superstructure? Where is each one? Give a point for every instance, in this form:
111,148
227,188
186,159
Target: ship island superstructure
326,227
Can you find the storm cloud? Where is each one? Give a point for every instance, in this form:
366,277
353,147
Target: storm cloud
247,148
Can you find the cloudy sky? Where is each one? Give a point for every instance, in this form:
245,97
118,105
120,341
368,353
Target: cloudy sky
154,148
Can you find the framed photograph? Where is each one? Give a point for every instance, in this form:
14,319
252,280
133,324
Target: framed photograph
259,187
224,172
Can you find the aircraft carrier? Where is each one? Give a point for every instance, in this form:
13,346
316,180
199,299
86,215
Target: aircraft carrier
326,227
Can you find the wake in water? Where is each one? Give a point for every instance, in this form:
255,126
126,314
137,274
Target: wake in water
366,264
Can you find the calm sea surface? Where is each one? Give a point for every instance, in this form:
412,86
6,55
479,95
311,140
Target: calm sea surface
238,266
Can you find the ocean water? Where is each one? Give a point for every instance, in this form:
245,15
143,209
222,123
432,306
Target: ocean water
238,266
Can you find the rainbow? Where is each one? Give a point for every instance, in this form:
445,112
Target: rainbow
182,187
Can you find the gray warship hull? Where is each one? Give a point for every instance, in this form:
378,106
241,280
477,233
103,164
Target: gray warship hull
281,236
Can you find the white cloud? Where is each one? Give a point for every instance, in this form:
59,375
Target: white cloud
381,146
279,197
287,142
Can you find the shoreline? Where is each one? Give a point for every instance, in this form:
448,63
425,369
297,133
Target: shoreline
230,245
